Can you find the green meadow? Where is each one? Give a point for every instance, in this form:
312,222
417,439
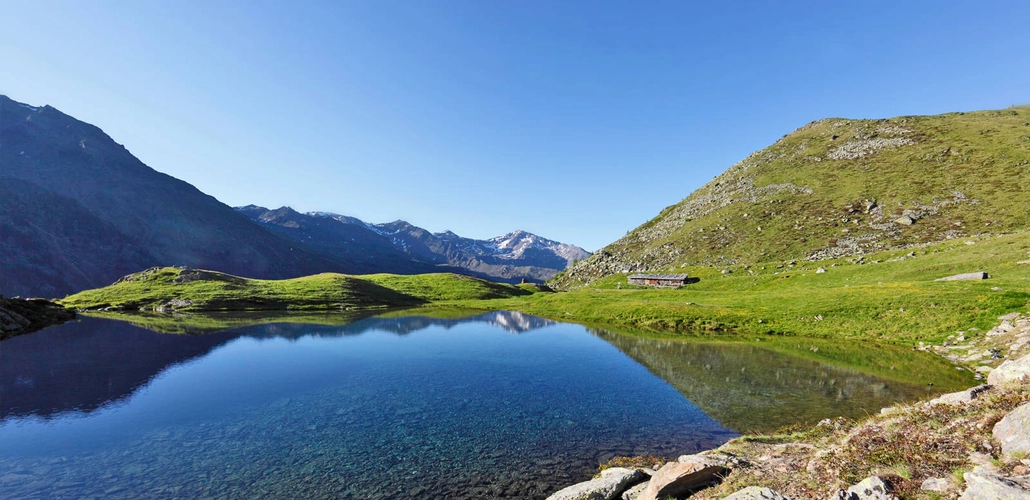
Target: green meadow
892,295
888,296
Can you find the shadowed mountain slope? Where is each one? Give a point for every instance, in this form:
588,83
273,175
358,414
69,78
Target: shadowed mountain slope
78,211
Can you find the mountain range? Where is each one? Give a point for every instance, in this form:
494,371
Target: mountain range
399,245
78,211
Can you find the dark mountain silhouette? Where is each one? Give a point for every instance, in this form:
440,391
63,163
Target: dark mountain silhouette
79,211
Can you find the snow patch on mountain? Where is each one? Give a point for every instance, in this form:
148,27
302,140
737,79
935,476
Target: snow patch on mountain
515,244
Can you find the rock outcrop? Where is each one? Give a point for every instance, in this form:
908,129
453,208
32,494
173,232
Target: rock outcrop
611,483
677,478
982,485
1010,370
980,275
960,397
871,488
1013,432
18,316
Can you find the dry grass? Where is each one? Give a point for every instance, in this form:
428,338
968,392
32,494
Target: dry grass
904,447
637,462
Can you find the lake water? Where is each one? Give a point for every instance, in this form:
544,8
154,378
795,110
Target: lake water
497,405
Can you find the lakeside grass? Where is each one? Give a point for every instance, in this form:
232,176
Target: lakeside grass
170,288
886,296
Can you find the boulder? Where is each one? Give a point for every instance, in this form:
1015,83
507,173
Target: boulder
675,479
609,486
1010,370
1013,431
871,488
757,493
979,275
957,398
905,220
982,485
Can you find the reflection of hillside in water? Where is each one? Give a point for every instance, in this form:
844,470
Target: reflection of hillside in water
93,363
747,389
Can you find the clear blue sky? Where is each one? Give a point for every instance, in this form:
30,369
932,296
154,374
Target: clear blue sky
575,120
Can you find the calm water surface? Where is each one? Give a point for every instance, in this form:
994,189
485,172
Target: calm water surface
497,405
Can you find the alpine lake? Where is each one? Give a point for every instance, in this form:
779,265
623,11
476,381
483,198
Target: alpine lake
402,405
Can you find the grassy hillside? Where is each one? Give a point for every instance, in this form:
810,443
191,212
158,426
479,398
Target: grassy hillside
178,289
889,295
840,187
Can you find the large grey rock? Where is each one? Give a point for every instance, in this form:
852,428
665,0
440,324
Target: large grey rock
979,275
675,478
612,482
1010,370
871,488
982,485
634,492
757,493
1013,431
960,397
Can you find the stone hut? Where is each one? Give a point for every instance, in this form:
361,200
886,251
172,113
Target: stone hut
658,279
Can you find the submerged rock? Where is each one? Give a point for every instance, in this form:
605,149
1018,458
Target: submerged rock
612,482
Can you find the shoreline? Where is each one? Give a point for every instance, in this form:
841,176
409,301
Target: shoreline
20,316
893,451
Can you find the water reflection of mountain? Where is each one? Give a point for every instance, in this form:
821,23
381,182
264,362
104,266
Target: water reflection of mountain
92,363
511,321
747,388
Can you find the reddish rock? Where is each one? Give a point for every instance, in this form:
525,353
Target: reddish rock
675,479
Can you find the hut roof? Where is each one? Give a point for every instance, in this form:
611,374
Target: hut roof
658,276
